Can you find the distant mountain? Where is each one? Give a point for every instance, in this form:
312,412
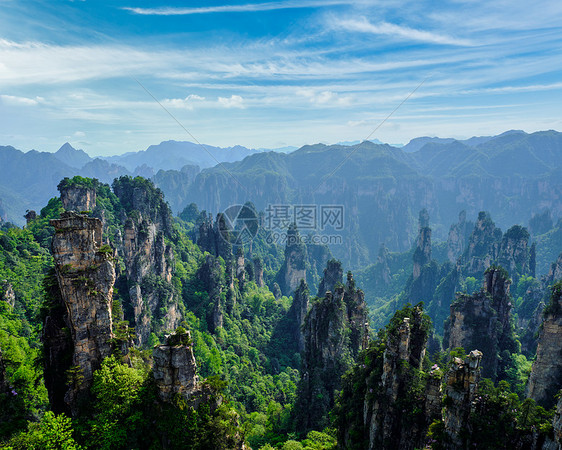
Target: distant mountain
72,157
175,185
418,143
176,154
287,149
382,188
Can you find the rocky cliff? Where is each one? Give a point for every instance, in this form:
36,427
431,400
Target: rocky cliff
213,282
457,239
483,321
175,369
151,303
333,275
334,332
85,276
384,415
546,375
422,254
294,266
461,388
297,314
386,400
77,197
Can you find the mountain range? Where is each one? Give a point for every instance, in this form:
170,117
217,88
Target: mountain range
381,187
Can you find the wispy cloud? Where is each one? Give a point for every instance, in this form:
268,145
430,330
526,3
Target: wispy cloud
184,103
362,25
13,100
250,7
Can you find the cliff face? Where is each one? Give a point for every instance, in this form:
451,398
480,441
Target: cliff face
334,332
333,274
7,293
483,321
297,314
421,286
85,278
387,424
294,267
457,239
386,402
422,255
77,198
461,386
514,252
175,369
483,246
152,303
210,275
546,375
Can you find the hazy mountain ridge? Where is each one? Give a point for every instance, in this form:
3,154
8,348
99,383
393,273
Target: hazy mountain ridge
383,187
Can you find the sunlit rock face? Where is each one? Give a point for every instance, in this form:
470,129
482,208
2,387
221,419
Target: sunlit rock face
85,275
546,375
175,369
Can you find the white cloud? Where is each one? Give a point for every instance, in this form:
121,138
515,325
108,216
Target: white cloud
235,101
362,25
251,7
184,103
13,100
79,134
325,98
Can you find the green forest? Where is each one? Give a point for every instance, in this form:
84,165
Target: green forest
159,332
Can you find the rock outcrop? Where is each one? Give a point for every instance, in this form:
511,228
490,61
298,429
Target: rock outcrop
76,197
297,314
294,267
483,321
212,279
333,275
385,402
546,374
483,246
461,386
258,271
7,293
422,254
175,369
384,416
85,275
457,239
334,332
153,302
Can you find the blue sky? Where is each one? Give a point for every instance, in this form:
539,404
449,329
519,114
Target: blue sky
270,74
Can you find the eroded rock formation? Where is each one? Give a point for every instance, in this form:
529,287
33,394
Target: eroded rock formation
388,425
461,386
422,254
334,332
333,275
85,276
457,239
7,293
153,303
77,198
297,314
546,375
483,321
294,267
175,369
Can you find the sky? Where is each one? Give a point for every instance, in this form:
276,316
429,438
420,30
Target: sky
117,76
